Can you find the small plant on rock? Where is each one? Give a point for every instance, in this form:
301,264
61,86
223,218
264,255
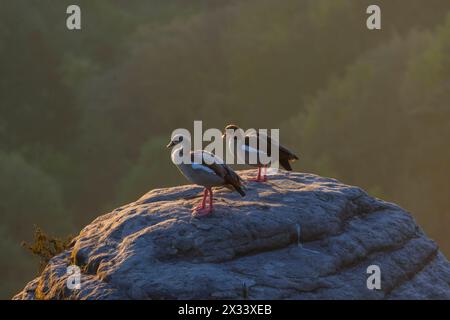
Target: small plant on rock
46,247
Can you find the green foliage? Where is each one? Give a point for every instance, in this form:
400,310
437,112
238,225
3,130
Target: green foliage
29,196
154,161
385,128
16,265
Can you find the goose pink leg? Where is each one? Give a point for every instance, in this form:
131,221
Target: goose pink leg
201,210
262,177
203,203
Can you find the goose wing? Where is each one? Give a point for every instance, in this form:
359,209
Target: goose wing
285,153
216,165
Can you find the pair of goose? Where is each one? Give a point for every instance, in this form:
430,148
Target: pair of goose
209,171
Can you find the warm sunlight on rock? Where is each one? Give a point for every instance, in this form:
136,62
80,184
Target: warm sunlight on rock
154,249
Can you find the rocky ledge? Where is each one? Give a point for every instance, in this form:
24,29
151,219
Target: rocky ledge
299,236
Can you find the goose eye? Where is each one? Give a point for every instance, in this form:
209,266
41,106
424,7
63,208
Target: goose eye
181,139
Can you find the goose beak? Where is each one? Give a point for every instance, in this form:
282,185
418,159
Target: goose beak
171,144
224,134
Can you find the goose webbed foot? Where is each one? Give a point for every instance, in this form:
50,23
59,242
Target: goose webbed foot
201,212
261,177
199,207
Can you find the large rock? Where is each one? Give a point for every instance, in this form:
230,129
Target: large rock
299,236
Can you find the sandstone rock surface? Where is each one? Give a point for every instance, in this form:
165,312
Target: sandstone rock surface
299,236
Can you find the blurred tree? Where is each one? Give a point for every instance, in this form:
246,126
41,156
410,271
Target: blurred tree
384,126
83,115
29,197
154,169
16,264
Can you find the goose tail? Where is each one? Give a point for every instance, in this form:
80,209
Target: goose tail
239,189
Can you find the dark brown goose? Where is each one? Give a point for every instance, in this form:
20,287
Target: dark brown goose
285,155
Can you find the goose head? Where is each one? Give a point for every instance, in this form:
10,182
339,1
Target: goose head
229,128
176,140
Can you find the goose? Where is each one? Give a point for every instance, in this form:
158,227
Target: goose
285,155
204,169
